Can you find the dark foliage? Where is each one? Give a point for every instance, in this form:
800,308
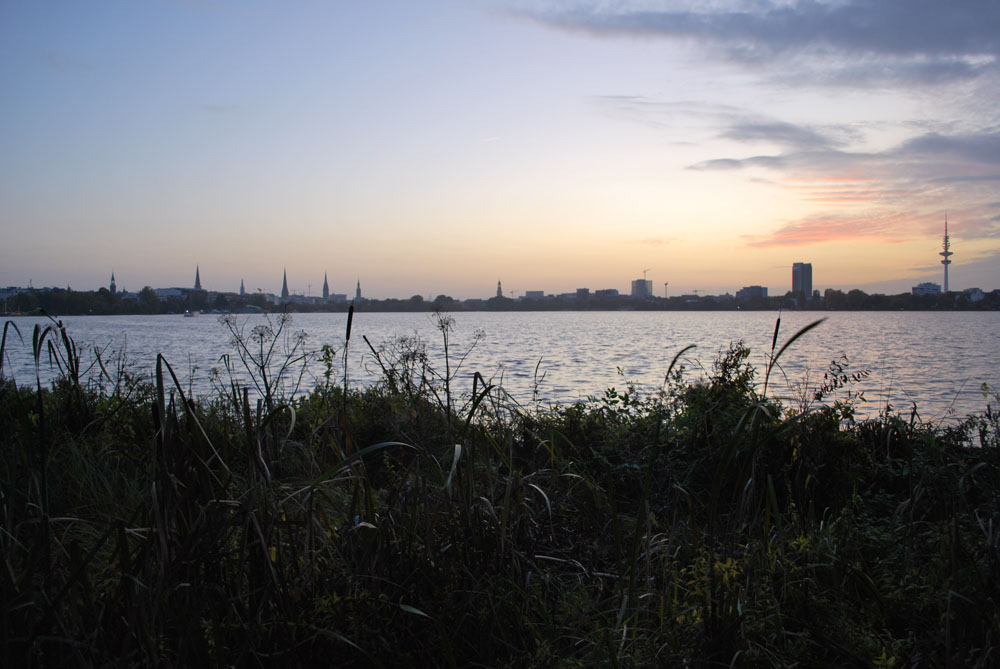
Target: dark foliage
402,524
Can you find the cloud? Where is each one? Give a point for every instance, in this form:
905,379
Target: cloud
981,147
850,40
887,196
781,133
885,229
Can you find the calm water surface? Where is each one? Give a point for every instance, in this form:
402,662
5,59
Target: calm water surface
937,360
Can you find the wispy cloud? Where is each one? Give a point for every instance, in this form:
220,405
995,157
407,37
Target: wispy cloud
784,134
885,229
851,40
886,196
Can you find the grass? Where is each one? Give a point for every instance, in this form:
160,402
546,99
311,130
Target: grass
404,523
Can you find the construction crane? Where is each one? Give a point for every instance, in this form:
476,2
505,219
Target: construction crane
644,274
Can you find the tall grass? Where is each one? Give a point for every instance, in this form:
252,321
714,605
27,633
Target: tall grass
430,519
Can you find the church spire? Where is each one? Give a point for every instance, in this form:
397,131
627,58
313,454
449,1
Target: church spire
357,293
284,285
243,290
113,286
197,278
326,288
499,289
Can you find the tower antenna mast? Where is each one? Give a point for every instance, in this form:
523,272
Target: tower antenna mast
946,252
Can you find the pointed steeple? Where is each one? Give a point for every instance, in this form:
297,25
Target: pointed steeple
197,278
357,293
326,288
499,289
243,290
284,285
113,285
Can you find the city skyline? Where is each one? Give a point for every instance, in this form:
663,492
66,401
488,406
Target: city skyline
435,148
801,288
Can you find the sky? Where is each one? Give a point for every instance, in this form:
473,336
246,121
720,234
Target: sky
436,147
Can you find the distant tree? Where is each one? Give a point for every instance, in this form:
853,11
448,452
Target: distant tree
834,299
197,300
857,299
149,301
443,302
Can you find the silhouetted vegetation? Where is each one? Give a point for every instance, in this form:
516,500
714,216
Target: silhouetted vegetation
147,301
408,524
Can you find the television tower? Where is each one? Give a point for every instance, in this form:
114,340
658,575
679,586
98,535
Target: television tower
946,252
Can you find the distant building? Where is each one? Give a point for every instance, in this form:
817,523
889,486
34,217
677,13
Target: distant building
499,289
284,284
326,288
974,294
197,278
243,290
606,292
748,293
112,287
534,294
802,280
642,288
357,292
926,288
582,293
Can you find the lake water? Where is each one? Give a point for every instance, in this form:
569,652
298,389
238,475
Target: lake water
937,360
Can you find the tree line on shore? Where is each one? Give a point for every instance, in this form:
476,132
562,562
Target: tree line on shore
147,301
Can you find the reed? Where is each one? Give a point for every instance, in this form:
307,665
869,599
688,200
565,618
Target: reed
430,519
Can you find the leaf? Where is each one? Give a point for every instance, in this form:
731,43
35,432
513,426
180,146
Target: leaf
413,610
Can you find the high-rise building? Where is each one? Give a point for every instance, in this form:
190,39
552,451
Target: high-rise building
802,280
642,288
946,252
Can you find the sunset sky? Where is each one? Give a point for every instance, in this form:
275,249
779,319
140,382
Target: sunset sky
435,147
